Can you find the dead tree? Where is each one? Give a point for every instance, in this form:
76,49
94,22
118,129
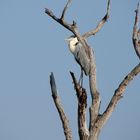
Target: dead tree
96,120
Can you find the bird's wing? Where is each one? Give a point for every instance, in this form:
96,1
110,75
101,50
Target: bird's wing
82,58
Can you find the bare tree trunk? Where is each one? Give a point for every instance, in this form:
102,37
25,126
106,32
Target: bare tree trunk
94,135
96,120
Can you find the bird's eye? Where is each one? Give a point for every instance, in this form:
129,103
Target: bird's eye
76,43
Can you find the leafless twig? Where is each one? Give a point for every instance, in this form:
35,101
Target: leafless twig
63,117
100,25
64,10
136,33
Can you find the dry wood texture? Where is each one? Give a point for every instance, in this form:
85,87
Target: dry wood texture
96,120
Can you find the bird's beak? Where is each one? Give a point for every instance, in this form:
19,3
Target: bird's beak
67,39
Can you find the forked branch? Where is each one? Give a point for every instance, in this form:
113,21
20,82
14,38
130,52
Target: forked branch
97,120
73,27
63,117
100,24
61,20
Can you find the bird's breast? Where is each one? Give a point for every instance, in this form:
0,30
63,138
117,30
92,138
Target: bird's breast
72,48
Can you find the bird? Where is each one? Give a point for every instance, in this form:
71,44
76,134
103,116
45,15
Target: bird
81,54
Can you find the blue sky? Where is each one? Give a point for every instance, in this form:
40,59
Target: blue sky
32,45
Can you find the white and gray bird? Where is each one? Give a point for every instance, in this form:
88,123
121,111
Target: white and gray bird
81,54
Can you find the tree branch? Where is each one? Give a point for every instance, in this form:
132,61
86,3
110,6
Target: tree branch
60,20
63,117
95,105
71,27
136,33
82,104
64,10
118,94
100,24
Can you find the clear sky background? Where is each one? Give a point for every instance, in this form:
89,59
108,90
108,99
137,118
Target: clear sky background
32,46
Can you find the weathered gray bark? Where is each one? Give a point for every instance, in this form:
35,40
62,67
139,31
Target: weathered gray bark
95,104
82,105
63,117
96,120
136,33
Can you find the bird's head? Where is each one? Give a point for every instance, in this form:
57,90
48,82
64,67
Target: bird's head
72,41
69,39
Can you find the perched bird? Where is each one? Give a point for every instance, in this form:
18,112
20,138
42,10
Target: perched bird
81,54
